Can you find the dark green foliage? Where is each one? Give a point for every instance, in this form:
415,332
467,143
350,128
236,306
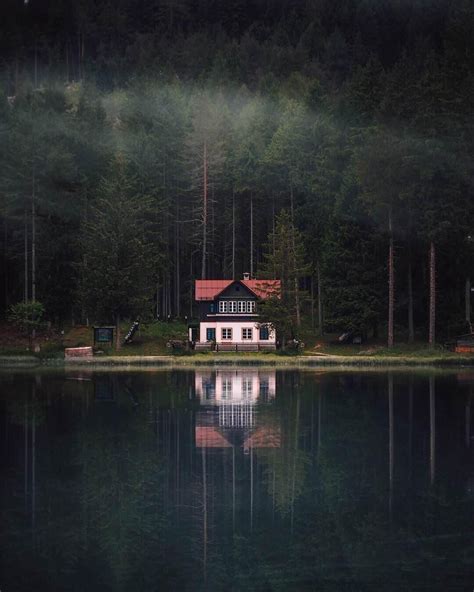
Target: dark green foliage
354,277
26,315
284,260
118,256
341,113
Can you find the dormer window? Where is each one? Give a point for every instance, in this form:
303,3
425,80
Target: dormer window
237,306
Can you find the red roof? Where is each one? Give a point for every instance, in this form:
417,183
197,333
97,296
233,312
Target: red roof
209,289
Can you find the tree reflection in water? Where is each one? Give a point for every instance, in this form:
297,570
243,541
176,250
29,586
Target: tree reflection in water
246,479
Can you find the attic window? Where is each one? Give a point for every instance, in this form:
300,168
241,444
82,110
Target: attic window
237,288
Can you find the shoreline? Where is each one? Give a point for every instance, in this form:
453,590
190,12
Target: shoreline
18,362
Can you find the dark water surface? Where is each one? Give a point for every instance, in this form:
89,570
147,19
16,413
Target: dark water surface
245,479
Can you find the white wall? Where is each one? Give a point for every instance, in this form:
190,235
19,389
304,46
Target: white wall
236,327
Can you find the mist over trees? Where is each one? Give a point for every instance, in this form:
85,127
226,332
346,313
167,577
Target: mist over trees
193,125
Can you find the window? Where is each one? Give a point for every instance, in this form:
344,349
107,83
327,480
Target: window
242,306
264,333
211,307
223,306
210,334
226,333
232,306
251,306
247,333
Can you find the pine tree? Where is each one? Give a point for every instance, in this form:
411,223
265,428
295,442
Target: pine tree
284,259
118,258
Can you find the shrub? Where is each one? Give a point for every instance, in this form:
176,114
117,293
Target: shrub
26,315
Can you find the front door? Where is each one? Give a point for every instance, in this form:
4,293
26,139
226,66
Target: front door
210,334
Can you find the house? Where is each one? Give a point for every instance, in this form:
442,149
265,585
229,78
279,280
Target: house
228,314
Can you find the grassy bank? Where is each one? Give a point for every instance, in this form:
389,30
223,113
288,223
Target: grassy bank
150,348
254,359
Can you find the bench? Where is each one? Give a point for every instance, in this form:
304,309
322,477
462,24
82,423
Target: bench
78,352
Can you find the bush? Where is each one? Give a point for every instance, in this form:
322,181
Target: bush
27,316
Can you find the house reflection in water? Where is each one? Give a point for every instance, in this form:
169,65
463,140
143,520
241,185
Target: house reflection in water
229,409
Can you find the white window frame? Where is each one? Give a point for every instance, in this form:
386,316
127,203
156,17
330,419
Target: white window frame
241,306
223,306
245,331
251,306
232,306
226,333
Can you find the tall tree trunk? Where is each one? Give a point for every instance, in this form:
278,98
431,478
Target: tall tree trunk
293,246
204,215
233,234
312,301
411,328
273,231
320,303
432,315
67,61
118,343
5,264
36,65
157,303
17,73
251,235
26,270
391,284
177,265
33,242
33,237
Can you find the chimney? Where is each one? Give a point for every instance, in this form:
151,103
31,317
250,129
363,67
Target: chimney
246,275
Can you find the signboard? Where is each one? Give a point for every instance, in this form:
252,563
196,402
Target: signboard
103,334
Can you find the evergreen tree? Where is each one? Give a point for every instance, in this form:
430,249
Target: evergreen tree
117,270
284,259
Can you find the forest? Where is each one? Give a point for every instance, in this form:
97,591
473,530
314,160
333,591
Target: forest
145,144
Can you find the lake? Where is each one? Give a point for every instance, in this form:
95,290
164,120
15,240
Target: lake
248,479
